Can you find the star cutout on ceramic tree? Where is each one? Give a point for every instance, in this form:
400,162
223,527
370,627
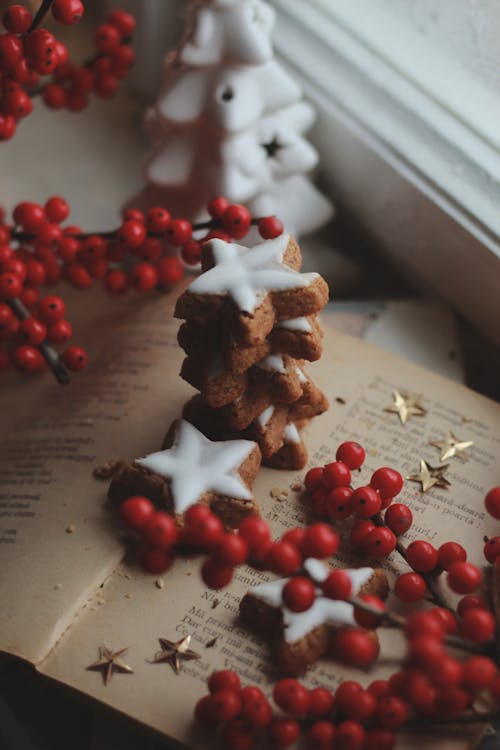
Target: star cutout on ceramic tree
247,274
109,662
451,446
430,476
173,652
196,465
406,405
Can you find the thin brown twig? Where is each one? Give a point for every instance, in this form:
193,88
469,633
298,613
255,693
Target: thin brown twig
39,15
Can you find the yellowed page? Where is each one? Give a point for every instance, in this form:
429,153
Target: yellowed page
56,544
134,612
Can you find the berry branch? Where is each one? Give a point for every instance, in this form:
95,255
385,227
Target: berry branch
39,16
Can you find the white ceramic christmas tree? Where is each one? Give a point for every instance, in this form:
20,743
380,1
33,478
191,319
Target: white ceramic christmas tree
230,121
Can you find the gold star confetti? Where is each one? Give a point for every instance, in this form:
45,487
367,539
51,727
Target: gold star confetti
110,661
406,405
451,446
430,476
174,651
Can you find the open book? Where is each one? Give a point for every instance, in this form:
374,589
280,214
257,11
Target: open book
64,587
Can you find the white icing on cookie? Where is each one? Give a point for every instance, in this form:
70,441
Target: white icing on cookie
292,436
248,274
295,324
273,362
302,378
324,611
196,465
263,418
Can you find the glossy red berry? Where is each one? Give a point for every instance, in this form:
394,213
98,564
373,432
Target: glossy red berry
124,22
350,735
284,732
360,706
471,601
17,19
337,503
151,250
28,359
29,216
365,502
424,623
236,220
179,232
10,285
170,271
320,540
57,209
215,575
479,673
224,679
379,542
446,619
238,735
387,482
449,553
136,511
160,530
379,739
225,705
425,650
11,50
491,548
320,702
337,585
379,688
78,276
75,358
255,710
202,527
336,474
314,478
32,331
299,594
116,281
230,549
17,266
51,308
59,331
255,532
106,85
132,233
294,536
191,252
351,453
356,647
319,496
367,619
399,518
291,697
321,735
107,38
217,206
464,577
478,625
67,12
7,127
410,587
283,558
359,533
158,219
270,227
492,502
144,277
422,556
155,559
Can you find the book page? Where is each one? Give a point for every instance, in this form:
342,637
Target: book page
135,612
56,544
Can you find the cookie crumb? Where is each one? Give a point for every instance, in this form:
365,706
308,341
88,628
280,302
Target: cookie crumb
100,602
297,487
215,603
159,583
275,492
127,596
106,470
340,400
58,586
71,528
211,644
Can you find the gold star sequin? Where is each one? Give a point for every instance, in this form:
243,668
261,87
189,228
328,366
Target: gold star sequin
174,651
406,405
451,446
430,476
110,661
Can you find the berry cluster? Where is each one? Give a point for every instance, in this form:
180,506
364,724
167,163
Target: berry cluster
28,52
145,252
492,544
352,718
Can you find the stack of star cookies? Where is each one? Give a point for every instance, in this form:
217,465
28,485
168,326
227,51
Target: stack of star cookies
250,325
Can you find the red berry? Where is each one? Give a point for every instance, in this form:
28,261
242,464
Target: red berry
463,577
314,478
491,548
77,100
116,282
320,702
299,594
35,272
478,673
478,625
337,585
336,474
236,220
471,601
379,688
29,297
144,277
155,559
51,308
356,647
284,732
93,248
320,540
132,233
11,50
124,22
75,358
203,712
451,552
160,530
366,619
424,623
388,482
237,735
410,587
57,209
49,233
133,214
351,453
59,331
179,232
202,527
270,227
360,706
446,619
106,85
450,704
158,219
291,697
17,19
492,502
255,532
77,274
225,704
170,271
6,317
107,38
67,12
338,503
224,679
398,518
359,533
319,496
136,511
231,549
421,556
215,575
294,536
28,359
10,285
365,502
445,673
217,206
321,735
256,710
150,251
283,558
32,331
30,216
379,542
425,650
350,735
7,127
17,266
191,252
379,739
